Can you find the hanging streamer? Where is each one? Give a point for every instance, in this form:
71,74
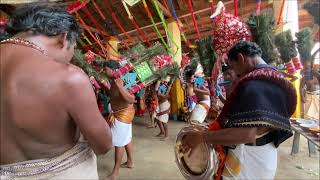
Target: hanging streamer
154,24
179,27
81,43
195,23
235,5
87,39
104,18
97,26
93,36
281,11
114,18
98,9
134,23
76,6
258,10
164,23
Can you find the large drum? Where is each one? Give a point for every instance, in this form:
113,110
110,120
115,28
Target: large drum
202,164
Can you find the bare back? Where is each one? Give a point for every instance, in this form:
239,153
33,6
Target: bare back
34,120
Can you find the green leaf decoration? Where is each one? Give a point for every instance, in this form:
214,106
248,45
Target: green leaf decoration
262,30
304,44
286,46
207,55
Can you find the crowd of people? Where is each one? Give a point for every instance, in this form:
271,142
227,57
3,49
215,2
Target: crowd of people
51,126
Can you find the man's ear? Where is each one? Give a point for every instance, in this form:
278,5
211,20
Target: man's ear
240,58
62,40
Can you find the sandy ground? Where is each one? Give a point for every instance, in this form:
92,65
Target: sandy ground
154,159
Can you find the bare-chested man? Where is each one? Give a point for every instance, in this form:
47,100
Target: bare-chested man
163,108
201,110
191,98
45,101
121,119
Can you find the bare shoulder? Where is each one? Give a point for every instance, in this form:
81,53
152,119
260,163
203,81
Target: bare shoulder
75,78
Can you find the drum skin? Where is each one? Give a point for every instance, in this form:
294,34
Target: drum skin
202,164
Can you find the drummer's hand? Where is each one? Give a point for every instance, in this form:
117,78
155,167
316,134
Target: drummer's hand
191,141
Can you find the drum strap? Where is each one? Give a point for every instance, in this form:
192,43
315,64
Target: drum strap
266,139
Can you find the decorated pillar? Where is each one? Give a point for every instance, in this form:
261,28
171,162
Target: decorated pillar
113,47
177,93
286,14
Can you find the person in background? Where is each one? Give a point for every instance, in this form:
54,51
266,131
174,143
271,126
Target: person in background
46,101
310,82
120,119
200,112
191,98
153,103
163,108
141,103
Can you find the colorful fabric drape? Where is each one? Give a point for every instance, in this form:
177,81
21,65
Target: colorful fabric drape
154,24
178,24
155,3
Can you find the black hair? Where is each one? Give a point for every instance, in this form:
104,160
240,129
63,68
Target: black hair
246,48
45,20
189,71
224,67
112,64
313,8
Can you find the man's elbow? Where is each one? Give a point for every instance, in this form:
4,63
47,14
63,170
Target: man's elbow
106,147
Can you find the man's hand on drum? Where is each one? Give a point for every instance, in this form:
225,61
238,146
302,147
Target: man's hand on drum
190,141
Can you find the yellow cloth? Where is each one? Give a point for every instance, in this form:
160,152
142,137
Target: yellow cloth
311,106
125,115
79,162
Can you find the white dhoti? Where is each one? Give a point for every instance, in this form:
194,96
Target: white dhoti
200,112
80,162
163,107
121,133
251,162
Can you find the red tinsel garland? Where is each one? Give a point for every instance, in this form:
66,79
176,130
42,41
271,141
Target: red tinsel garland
114,18
195,23
235,4
258,9
97,26
145,39
76,6
91,34
281,11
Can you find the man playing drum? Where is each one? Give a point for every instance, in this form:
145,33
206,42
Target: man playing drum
255,118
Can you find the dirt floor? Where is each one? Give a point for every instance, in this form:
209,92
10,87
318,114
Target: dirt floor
154,159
